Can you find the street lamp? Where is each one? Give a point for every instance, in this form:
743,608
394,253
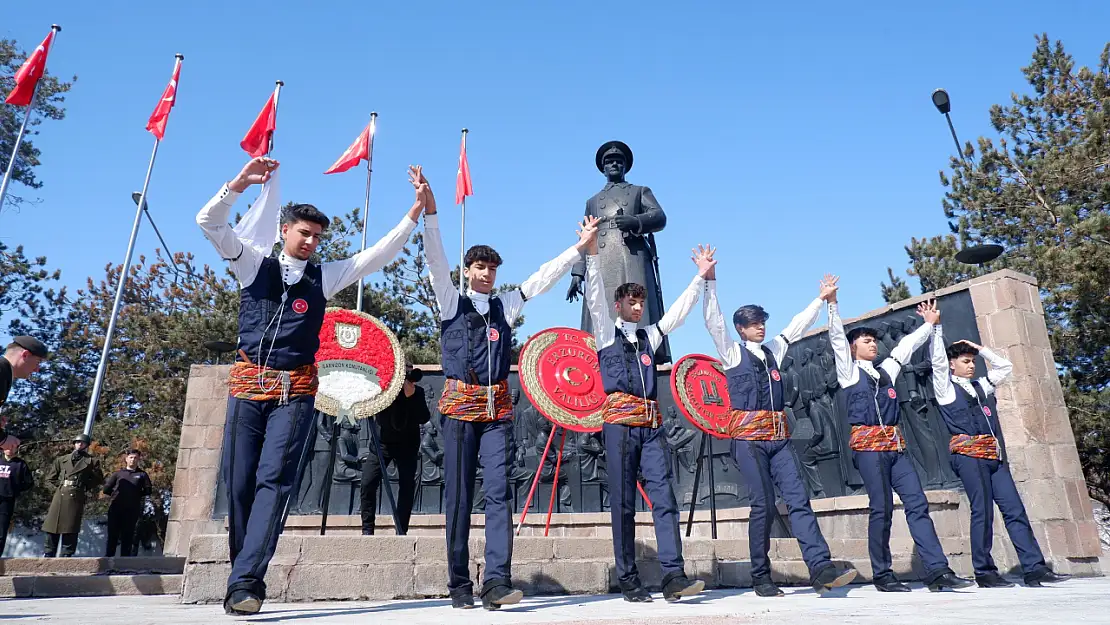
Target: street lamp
219,348
975,254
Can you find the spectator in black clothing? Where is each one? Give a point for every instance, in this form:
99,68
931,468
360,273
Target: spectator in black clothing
127,488
399,428
15,478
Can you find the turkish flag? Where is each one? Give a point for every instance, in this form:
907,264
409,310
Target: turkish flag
358,151
157,122
29,74
463,186
257,141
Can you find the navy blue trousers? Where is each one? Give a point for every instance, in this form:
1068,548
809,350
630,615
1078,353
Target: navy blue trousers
988,482
884,473
262,449
629,451
765,465
466,443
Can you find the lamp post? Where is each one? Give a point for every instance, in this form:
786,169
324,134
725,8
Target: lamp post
975,254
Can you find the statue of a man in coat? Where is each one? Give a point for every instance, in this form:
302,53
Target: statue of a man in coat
74,475
629,216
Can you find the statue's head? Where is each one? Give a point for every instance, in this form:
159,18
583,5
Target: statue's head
629,300
614,159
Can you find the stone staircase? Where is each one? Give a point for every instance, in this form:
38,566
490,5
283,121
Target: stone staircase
90,577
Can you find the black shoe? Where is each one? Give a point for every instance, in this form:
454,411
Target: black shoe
494,598
892,585
992,580
949,581
462,600
681,586
832,577
764,587
636,594
1045,576
242,603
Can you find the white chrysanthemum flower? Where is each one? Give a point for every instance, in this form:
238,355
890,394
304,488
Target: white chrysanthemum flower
348,388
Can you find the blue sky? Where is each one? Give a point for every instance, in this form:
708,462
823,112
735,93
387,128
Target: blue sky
797,137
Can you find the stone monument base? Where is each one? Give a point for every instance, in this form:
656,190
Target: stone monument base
577,556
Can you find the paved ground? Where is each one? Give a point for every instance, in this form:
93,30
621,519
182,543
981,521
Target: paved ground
1078,601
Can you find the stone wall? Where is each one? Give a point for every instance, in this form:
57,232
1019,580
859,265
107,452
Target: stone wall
1044,462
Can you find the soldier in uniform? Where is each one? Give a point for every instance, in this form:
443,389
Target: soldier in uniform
21,358
75,474
629,216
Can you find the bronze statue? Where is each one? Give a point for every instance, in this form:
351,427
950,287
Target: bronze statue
629,216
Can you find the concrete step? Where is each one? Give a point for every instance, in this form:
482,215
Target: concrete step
21,567
89,585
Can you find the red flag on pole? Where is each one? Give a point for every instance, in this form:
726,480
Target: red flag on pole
356,153
157,122
257,140
29,74
463,186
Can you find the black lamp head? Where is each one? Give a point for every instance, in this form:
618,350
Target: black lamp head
941,101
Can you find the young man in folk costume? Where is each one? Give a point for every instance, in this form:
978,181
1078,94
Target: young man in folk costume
476,337
878,449
970,411
761,444
273,383
634,441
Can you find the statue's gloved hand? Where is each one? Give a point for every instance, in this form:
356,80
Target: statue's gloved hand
627,223
575,289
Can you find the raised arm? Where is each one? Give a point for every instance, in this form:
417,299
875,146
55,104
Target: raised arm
1000,367
675,316
596,300
730,351
942,379
550,272
212,219
913,341
804,320
447,296
340,274
847,373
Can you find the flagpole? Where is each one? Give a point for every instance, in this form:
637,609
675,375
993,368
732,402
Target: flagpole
23,127
278,84
102,367
366,203
462,230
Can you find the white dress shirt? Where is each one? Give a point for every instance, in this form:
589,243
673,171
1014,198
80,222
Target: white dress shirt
447,295
245,260
943,378
731,352
605,331
847,368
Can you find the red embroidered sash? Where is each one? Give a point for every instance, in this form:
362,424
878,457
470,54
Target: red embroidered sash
625,409
982,446
876,438
758,425
470,402
244,382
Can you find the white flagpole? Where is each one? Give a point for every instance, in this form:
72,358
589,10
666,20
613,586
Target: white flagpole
277,96
102,368
366,203
23,127
462,230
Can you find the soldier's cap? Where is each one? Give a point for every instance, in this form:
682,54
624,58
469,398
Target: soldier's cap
32,345
615,147
82,438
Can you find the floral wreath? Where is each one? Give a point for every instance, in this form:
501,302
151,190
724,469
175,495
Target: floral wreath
373,345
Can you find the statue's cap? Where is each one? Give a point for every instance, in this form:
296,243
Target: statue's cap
617,147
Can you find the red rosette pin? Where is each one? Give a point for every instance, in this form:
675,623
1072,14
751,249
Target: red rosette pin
362,366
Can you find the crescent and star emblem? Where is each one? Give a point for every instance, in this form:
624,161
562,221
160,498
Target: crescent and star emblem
566,376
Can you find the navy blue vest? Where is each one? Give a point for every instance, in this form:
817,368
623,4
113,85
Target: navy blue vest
860,400
968,414
751,386
628,368
467,354
296,336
